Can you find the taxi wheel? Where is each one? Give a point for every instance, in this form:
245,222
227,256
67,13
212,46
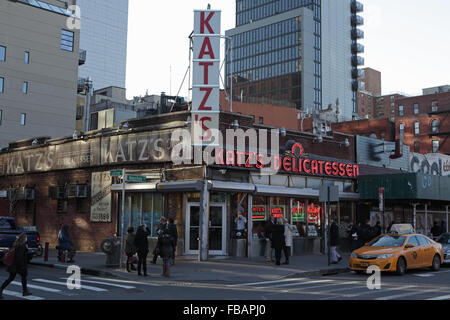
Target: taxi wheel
401,266
436,265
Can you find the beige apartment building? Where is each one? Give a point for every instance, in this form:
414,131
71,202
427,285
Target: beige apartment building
39,59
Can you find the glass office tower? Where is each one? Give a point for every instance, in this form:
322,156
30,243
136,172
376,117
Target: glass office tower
294,52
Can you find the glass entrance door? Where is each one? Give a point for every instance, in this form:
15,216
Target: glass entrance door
217,232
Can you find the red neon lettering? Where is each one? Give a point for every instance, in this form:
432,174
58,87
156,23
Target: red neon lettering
328,168
356,171
342,169
219,156
205,99
349,170
300,168
206,49
294,165
230,158
335,169
297,146
305,162
276,162
260,161
314,167
239,156
287,164
321,166
205,22
205,71
248,162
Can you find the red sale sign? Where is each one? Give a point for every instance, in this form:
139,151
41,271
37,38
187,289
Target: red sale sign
206,78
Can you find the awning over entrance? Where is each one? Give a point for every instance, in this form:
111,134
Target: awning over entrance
225,186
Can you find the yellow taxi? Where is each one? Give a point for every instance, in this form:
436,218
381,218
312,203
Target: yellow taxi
398,251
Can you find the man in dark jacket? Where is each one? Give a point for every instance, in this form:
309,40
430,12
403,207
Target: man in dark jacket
268,234
172,228
334,242
278,240
376,230
162,226
65,244
353,233
141,242
19,265
365,233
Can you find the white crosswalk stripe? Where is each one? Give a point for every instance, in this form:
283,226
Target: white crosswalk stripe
106,284
403,295
377,291
128,281
297,284
65,284
19,295
264,282
447,297
330,285
31,286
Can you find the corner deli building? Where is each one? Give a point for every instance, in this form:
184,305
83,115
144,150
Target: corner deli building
68,181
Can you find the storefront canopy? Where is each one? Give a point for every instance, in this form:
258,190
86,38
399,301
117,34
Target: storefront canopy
409,186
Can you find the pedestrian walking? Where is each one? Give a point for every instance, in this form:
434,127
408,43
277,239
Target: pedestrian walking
141,243
268,234
65,244
161,227
377,230
278,240
165,245
353,232
19,265
365,233
174,234
288,230
130,249
334,242
240,222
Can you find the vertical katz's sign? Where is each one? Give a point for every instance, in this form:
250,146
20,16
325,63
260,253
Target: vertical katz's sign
206,78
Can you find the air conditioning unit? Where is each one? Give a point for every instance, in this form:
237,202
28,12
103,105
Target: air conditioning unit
29,194
71,191
20,194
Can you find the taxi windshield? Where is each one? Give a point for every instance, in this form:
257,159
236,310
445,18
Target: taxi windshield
388,241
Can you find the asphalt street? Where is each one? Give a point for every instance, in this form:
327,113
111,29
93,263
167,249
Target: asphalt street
51,284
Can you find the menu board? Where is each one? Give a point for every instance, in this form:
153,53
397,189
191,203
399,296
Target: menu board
298,212
258,213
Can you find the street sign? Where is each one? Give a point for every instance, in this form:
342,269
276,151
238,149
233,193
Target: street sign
116,173
329,194
134,178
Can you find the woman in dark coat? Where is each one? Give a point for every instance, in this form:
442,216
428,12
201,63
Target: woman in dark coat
166,250
141,242
278,239
19,266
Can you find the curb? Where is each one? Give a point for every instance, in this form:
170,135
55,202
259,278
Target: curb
323,272
87,271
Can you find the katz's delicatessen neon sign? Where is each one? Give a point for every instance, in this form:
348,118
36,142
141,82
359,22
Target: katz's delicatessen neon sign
290,164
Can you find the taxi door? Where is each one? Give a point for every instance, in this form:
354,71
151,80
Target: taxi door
413,255
427,251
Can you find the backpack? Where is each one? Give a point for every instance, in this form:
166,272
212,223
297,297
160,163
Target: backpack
8,258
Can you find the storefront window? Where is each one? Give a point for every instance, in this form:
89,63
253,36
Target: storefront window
141,208
259,216
279,208
314,219
298,214
314,183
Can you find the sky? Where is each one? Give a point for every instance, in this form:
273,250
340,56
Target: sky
408,41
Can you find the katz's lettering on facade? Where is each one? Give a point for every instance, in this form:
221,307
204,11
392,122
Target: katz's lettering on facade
128,148
290,164
206,78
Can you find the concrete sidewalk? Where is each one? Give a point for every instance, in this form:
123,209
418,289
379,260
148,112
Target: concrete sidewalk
188,268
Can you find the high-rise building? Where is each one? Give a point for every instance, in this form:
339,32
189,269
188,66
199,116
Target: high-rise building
104,28
301,52
39,58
